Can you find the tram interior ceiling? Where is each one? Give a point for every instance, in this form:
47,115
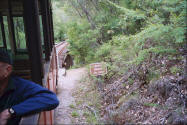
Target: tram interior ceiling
26,31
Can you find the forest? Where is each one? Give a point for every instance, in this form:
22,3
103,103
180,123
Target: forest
143,43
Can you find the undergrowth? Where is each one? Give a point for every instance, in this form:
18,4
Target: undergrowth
88,101
142,42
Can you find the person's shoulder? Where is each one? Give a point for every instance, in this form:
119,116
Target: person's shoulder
19,80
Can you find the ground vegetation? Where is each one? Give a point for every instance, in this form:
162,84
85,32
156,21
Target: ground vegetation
143,43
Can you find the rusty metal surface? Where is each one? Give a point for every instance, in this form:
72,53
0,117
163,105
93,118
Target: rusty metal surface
61,49
50,82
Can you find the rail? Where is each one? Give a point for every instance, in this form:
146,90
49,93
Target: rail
50,82
61,52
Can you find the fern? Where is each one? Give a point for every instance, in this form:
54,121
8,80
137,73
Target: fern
127,12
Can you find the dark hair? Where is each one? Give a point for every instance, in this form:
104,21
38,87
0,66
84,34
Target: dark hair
5,56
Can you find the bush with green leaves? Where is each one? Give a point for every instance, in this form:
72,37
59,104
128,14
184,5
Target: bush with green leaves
82,42
127,32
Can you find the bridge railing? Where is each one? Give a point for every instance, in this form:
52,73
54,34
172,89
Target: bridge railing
50,82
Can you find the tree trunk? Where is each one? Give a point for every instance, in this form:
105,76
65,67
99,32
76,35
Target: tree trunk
95,5
76,9
87,14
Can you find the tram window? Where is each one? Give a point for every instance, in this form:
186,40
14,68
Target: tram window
19,34
6,33
1,39
41,30
42,36
5,21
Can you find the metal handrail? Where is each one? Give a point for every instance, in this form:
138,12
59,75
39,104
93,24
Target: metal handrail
31,119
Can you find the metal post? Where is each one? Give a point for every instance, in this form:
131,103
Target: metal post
52,31
45,23
11,28
50,27
3,31
32,30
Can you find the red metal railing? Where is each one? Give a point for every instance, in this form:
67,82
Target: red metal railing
62,52
47,117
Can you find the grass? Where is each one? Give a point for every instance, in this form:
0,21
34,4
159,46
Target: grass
88,95
79,102
151,104
92,119
131,81
175,70
86,114
125,98
75,114
72,106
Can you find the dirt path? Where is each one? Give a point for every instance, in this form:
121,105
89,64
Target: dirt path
65,86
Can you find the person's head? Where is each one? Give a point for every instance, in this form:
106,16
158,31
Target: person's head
5,64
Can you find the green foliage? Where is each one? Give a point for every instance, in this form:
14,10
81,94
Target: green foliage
72,106
151,104
103,51
126,33
153,75
1,39
91,119
59,18
131,36
82,42
6,31
60,34
154,39
75,114
175,70
144,54
127,12
19,33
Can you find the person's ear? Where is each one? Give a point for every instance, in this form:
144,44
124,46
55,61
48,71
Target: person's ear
8,70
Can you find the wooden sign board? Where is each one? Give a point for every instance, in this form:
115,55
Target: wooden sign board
97,69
